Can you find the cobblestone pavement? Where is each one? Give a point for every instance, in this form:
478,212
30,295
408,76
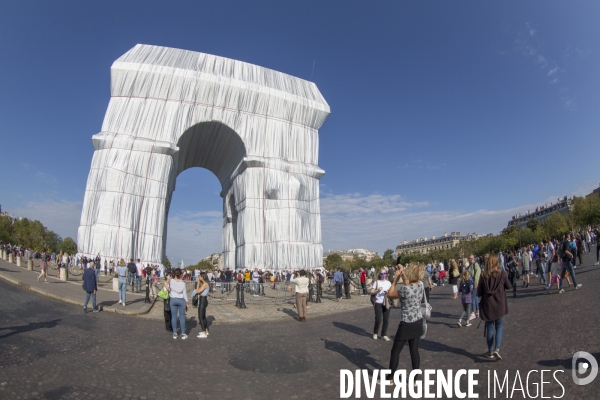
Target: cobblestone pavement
52,350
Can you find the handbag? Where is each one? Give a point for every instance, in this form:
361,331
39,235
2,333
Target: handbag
373,297
195,298
163,294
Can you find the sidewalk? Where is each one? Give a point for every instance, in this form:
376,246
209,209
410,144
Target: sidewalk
71,291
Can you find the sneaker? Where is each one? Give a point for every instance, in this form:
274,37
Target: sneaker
496,354
596,263
459,324
375,336
123,304
578,286
561,291
202,335
96,310
468,324
174,336
184,336
489,355
546,287
84,309
387,339
119,301
472,317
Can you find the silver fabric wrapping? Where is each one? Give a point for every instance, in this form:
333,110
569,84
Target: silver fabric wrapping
256,129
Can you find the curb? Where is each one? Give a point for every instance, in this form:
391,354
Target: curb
144,310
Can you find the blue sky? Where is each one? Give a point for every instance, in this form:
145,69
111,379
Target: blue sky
445,115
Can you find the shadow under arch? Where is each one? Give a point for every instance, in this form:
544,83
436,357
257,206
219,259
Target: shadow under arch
211,145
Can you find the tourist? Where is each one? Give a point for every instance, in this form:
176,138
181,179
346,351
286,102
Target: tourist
90,285
132,270
363,281
492,291
43,270
453,278
138,275
202,288
475,272
410,328
179,303
526,261
301,282
346,276
427,283
167,303
381,304
567,266
122,274
338,279
465,288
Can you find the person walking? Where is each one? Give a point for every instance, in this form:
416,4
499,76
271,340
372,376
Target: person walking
179,303
526,261
301,282
381,304
465,288
454,278
493,307
346,276
513,271
122,274
363,281
567,260
475,271
90,285
132,270
202,288
410,328
43,270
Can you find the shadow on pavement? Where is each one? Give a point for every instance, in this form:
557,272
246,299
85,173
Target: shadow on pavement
438,347
32,326
352,329
359,357
565,363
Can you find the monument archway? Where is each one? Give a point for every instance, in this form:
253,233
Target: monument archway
256,129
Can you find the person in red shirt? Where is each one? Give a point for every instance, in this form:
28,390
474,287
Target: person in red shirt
363,281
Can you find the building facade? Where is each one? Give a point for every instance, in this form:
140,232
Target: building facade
425,245
541,213
349,254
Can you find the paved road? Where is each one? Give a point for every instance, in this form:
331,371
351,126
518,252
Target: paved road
52,350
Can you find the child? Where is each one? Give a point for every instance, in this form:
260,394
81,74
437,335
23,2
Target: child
442,276
465,288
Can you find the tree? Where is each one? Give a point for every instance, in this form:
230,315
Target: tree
533,224
168,263
333,261
388,256
556,225
585,211
202,264
68,246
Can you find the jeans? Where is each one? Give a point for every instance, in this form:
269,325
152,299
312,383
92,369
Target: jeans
255,287
347,289
138,283
543,271
132,280
381,314
122,288
475,301
363,285
202,304
87,298
338,290
567,267
97,274
178,307
492,327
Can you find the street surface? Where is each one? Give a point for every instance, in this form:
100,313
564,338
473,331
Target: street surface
52,350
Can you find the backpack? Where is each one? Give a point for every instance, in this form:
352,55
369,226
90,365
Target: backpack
321,278
346,276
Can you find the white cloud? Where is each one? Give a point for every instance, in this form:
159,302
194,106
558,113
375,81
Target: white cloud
61,216
532,32
553,71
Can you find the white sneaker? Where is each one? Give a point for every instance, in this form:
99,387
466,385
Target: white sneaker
119,301
375,336
459,324
472,317
387,339
578,286
184,336
123,304
202,335
174,336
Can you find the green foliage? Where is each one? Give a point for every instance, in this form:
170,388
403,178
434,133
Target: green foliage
533,224
556,225
168,263
333,261
585,211
202,264
31,234
388,255
68,246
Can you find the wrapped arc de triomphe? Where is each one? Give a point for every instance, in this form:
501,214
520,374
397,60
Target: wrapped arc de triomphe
256,129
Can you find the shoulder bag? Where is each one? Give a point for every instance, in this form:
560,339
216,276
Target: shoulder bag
163,293
425,312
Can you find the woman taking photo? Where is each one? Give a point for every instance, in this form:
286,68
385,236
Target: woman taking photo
381,304
179,303
202,287
411,320
493,306
301,282
454,275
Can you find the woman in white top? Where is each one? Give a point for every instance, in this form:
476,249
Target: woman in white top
381,304
179,303
301,282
